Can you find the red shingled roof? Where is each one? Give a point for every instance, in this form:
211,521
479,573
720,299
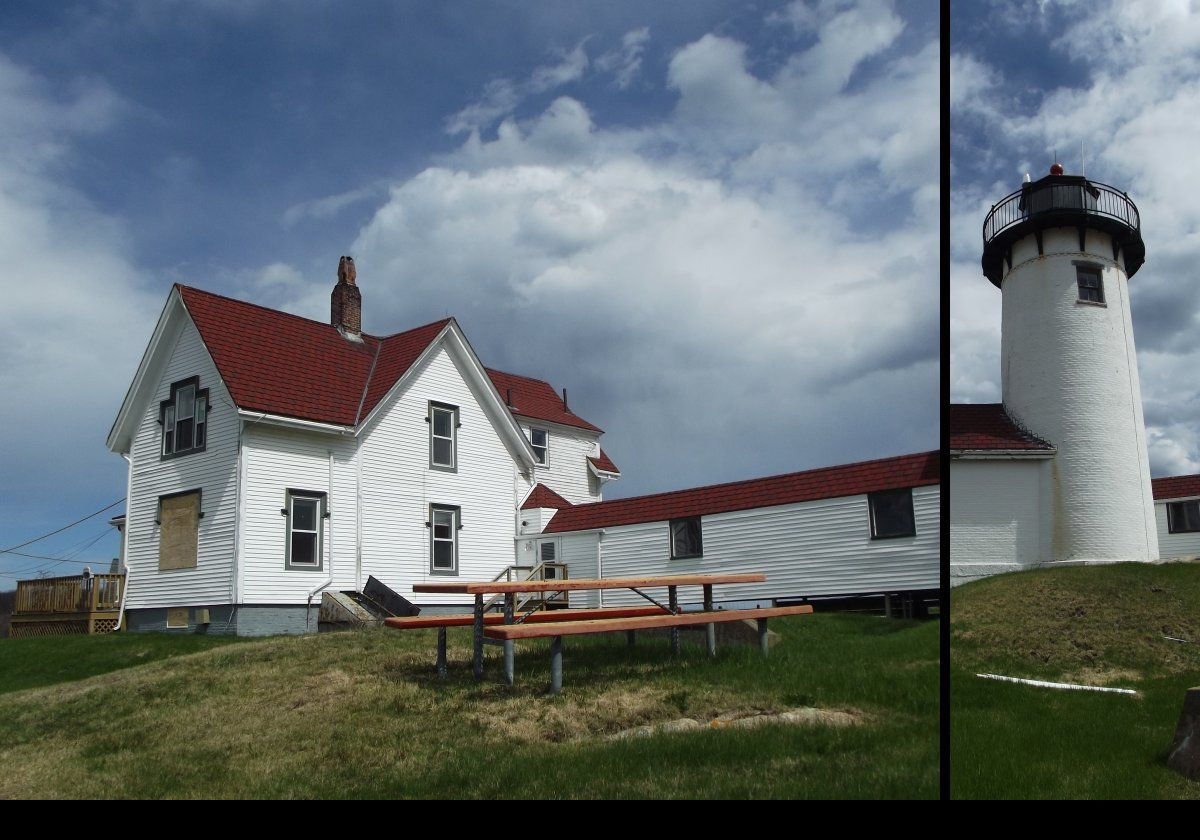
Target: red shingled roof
825,483
543,497
604,463
536,399
988,426
284,364
1175,486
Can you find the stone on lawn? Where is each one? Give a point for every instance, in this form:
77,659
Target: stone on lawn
1184,754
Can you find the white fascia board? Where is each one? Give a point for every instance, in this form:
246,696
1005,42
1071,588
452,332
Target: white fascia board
255,417
120,435
452,338
540,423
1166,499
1003,454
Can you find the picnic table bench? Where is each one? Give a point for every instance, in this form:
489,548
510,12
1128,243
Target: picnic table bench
504,629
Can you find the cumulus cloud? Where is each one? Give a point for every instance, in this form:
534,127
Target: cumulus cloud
1138,115
73,323
706,277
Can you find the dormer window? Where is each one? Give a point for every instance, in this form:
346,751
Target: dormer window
443,436
184,419
539,439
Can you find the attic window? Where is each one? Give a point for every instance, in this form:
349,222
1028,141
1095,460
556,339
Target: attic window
539,439
443,436
892,514
184,419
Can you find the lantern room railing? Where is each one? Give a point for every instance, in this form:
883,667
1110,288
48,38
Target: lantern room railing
1055,196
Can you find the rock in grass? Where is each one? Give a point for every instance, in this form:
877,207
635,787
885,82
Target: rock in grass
1184,754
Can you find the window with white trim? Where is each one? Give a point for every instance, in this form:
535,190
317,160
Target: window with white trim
184,419
444,524
305,514
443,436
539,439
892,514
1183,517
687,538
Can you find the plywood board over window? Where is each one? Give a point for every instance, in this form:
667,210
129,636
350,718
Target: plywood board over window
179,518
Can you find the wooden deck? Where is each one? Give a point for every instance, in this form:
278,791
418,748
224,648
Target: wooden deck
64,606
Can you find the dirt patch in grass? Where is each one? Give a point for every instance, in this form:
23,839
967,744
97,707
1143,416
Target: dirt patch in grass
750,719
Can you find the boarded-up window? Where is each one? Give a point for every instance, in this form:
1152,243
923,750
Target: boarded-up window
178,518
177,616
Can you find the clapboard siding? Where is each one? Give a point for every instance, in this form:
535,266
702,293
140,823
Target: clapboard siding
213,472
821,547
567,473
995,520
278,459
398,486
579,552
1186,544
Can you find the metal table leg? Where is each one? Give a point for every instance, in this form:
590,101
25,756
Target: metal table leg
673,603
441,656
762,636
710,628
509,606
478,634
631,637
556,664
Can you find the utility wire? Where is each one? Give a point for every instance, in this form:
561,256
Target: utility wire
67,558
12,550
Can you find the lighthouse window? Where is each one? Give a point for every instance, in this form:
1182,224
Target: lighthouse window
1183,517
892,514
1091,287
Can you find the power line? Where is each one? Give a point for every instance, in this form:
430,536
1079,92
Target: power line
65,558
12,550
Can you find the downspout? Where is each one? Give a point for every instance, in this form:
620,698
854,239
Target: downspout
125,542
600,560
329,533
357,517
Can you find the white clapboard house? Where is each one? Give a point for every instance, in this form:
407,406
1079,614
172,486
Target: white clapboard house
273,459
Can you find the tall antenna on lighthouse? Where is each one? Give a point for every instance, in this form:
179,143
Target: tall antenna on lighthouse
1082,160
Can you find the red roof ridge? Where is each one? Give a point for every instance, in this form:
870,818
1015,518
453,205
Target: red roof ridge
286,314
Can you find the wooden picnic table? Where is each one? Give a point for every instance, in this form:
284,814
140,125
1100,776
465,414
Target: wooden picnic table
510,589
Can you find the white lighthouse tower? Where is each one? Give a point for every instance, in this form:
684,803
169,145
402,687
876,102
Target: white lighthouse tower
1062,250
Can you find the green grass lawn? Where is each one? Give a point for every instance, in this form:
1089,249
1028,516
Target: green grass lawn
1099,625
29,663
362,714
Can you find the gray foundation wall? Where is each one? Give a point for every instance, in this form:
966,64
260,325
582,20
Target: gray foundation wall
226,619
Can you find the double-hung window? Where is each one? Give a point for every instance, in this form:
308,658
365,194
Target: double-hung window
443,539
305,514
184,419
1183,517
1091,285
892,514
539,439
443,436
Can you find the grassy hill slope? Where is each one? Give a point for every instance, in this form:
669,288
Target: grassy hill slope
363,715
1097,625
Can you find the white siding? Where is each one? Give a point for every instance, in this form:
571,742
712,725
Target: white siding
996,520
1174,545
822,547
213,472
278,459
398,486
567,472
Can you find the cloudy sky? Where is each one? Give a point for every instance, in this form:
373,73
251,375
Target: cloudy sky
1123,79
714,222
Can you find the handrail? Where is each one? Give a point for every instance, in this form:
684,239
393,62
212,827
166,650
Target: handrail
69,594
507,573
1032,200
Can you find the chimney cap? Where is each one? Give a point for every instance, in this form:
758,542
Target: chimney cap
346,272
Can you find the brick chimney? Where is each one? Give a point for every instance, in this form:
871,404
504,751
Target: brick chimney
345,304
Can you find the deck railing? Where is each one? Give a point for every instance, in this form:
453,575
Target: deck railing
70,594
1091,197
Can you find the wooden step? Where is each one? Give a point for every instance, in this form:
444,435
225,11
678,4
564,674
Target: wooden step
612,625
